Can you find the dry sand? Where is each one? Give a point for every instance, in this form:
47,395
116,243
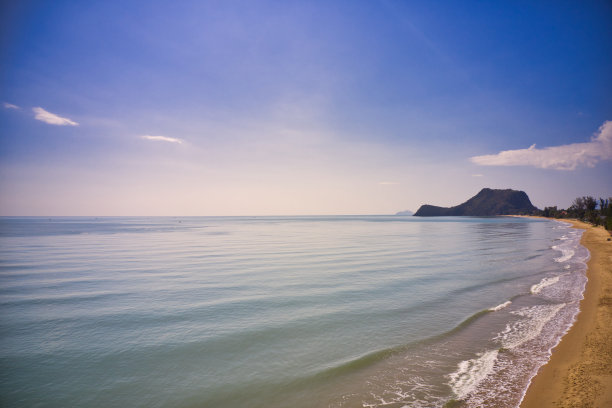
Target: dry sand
579,373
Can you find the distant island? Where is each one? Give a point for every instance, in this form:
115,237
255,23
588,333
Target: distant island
406,212
486,203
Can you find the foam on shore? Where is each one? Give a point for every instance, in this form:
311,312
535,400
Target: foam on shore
537,288
471,372
501,306
568,378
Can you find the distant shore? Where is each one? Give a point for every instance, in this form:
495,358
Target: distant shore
579,373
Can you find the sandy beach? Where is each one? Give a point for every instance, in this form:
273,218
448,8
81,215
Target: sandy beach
579,373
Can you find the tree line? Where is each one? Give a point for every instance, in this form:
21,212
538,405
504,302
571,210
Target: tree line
586,209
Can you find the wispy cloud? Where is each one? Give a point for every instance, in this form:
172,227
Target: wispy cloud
10,106
477,175
564,157
388,183
162,139
52,118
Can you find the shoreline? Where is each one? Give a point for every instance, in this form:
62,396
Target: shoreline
579,371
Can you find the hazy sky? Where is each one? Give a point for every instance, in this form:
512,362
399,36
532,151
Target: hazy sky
305,107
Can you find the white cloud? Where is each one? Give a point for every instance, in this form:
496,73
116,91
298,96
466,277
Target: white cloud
388,183
477,175
162,139
10,106
52,118
564,157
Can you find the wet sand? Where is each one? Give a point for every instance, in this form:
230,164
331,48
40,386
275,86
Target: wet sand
579,373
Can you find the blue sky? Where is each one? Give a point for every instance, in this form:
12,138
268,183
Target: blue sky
255,108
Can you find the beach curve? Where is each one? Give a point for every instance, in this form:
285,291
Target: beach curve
579,372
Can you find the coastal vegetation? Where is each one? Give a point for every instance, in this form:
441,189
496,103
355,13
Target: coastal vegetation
587,209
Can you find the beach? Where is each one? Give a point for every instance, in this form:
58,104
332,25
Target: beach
579,373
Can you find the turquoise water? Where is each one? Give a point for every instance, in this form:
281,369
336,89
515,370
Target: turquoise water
361,311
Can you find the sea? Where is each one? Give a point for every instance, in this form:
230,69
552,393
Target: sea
310,311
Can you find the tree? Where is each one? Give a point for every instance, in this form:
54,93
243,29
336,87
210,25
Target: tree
590,203
605,210
590,213
578,208
551,212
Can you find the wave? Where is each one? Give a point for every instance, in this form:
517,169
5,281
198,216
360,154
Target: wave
381,355
570,242
471,372
480,286
49,300
566,254
471,375
358,363
501,306
537,288
523,330
562,224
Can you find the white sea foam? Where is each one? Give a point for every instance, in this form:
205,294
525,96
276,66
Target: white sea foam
533,320
500,307
471,372
566,254
529,335
568,245
562,225
537,288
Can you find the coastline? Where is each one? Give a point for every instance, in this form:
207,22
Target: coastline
579,371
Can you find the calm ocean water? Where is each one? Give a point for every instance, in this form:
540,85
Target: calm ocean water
363,311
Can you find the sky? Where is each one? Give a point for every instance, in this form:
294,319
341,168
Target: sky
300,107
